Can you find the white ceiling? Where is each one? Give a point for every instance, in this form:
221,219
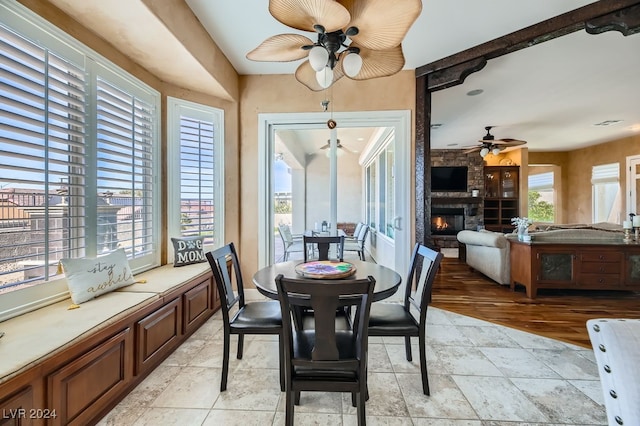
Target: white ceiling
550,95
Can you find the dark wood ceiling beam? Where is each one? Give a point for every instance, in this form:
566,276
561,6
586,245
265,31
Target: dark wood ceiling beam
454,75
558,26
626,21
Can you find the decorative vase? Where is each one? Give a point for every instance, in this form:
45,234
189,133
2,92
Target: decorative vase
522,231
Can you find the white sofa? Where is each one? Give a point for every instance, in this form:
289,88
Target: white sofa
616,347
488,252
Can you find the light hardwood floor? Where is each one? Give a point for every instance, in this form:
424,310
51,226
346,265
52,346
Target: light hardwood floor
559,314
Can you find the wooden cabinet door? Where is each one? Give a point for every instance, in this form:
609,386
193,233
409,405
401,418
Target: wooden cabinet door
83,388
197,306
18,409
157,335
631,268
555,266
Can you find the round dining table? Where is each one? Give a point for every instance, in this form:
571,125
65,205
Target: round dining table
387,280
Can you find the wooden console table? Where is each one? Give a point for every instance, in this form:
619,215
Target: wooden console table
596,265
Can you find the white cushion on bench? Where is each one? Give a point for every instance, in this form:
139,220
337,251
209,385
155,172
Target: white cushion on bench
166,278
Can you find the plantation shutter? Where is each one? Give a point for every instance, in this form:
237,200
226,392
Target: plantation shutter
42,159
197,178
124,170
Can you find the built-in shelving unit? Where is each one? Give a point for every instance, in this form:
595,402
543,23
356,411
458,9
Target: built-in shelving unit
501,198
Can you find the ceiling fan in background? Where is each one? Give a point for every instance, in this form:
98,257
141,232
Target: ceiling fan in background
357,38
489,143
338,145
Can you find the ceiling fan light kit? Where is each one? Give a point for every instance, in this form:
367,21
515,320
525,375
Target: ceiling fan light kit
357,38
489,144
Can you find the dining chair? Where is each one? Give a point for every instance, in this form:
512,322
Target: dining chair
358,244
397,319
291,243
260,317
322,245
325,358
356,231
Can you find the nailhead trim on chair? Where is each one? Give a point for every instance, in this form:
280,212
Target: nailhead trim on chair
622,335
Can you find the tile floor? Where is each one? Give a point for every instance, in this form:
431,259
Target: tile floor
480,374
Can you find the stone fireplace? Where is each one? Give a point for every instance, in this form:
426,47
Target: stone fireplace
453,211
447,220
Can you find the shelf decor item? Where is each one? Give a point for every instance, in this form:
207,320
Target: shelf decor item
522,226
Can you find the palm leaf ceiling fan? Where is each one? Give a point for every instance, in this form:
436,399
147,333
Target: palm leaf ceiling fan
489,143
357,38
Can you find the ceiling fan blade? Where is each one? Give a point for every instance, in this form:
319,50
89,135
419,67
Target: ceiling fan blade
281,48
307,76
474,149
304,14
508,142
378,63
381,26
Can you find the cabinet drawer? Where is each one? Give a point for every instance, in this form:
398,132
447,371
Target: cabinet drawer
600,268
599,281
607,256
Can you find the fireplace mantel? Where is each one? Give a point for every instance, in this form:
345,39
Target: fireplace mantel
456,200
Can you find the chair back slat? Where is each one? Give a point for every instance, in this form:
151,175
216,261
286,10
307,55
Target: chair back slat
226,268
325,296
422,272
323,243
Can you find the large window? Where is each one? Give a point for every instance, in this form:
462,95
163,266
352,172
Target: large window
196,139
605,183
79,160
541,196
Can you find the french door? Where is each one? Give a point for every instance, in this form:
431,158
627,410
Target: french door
633,185
333,190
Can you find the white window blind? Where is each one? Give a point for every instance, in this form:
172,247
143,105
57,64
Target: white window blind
541,181
605,173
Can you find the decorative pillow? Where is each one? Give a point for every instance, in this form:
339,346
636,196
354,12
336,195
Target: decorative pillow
89,278
188,250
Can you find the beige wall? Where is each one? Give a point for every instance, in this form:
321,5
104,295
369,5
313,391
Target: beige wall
576,173
282,94
231,113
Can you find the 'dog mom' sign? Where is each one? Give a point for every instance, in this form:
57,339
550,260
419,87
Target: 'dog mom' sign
188,250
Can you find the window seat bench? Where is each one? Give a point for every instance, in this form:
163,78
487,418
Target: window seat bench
77,364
